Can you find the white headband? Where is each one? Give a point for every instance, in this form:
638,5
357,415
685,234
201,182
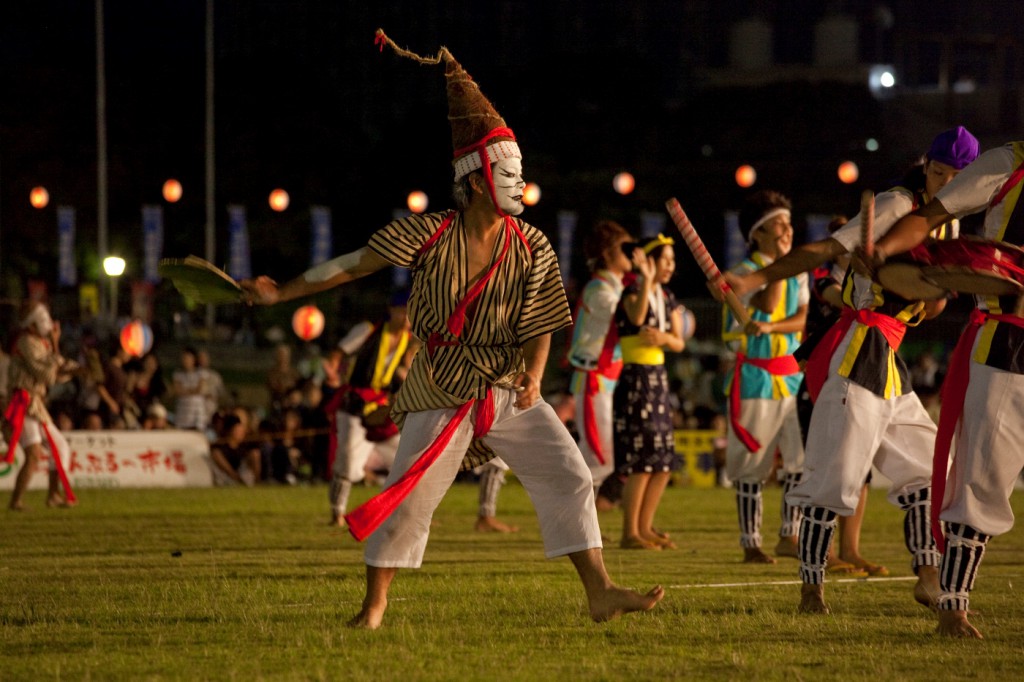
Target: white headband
496,151
774,213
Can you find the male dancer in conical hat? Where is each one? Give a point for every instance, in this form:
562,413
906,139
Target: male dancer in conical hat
486,295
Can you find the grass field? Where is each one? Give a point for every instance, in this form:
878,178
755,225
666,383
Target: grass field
225,584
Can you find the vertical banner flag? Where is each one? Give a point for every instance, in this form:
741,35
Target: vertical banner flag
735,244
152,241
566,231
652,223
400,276
67,273
817,227
321,238
239,264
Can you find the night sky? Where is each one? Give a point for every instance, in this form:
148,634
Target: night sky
304,101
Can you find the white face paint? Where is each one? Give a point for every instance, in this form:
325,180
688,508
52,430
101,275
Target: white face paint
508,185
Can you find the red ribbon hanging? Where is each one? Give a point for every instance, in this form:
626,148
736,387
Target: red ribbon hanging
15,416
954,390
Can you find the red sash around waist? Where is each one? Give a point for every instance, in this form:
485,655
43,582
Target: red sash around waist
816,369
780,366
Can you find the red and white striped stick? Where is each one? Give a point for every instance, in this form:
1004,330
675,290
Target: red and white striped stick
704,260
867,222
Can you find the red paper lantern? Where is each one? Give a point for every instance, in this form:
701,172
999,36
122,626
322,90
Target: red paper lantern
136,338
308,322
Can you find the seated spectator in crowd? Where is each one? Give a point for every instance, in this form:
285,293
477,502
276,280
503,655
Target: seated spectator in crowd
114,390
288,448
235,458
92,421
147,385
214,391
282,378
156,418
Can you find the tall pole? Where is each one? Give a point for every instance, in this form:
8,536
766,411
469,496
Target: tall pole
101,144
211,216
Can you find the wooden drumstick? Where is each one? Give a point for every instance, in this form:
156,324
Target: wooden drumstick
867,222
704,260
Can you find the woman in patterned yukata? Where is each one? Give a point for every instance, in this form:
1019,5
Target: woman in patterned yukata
650,321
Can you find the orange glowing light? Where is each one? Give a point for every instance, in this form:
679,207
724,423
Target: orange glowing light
531,194
279,200
172,191
848,172
417,201
308,322
746,176
624,182
39,197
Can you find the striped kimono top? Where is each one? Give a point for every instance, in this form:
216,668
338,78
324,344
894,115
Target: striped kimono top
522,301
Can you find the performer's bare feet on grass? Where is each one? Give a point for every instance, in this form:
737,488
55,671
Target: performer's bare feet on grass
16,506
615,601
955,624
787,547
857,560
337,520
812,599
490,524
370,616
754,555
926,589
637,542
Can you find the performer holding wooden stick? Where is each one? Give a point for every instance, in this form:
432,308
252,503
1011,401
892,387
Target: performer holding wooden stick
762,391
865,410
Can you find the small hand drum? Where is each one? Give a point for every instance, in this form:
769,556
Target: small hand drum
968,265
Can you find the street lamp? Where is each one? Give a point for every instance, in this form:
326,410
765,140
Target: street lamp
114,267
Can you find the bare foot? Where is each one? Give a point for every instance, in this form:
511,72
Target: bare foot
754,555
812,599
489,524
787,547
16,506
876,570
926,589
603,504
369,617
637,543
661,540
955,624
616,601
58,501
337,520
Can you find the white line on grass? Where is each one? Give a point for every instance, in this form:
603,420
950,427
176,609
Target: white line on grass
792,582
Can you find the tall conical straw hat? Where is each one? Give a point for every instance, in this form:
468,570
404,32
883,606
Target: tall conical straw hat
474,121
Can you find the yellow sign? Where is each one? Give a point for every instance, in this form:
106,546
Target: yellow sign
698,450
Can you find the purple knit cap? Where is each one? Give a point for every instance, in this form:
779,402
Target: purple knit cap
955,147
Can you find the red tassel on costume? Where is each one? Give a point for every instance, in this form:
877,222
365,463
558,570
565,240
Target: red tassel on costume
590,419
15,416
55,453
367,517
